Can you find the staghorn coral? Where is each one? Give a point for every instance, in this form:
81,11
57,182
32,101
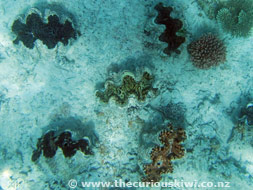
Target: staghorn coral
161,156
128,87
172,27
207,51
49,143
236,17
49,33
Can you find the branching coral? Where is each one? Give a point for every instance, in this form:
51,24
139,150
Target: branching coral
172,27
236,16
207,51
161,156
49,143
49,33
128,87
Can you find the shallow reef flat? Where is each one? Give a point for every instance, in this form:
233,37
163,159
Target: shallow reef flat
138,91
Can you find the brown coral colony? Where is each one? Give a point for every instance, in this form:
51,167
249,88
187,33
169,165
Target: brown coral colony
207,51
161,156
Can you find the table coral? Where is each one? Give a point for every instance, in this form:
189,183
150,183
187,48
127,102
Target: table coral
161,156
128,87
236,17
172,27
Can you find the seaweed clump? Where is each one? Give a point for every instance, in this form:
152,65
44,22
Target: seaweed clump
49,33
172,27
162,156
128,87
236,17
49,143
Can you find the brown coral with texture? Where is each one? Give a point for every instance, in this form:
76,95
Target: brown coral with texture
161,156
207,51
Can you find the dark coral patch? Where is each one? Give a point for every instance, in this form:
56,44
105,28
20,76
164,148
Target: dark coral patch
69,146
172,27
49,143
49,33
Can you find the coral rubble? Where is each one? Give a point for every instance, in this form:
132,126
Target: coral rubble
128,87
236,16
49,33
162,156
207,51
49,143
172,27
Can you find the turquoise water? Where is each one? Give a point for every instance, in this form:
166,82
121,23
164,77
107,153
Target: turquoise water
101,91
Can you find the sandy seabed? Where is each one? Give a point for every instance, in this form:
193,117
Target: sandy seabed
40,85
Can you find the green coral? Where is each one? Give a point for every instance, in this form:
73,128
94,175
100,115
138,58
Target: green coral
236,17
128,87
